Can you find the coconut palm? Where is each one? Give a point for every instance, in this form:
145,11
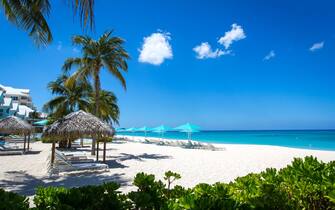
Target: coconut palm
31,16
69,98
105,53
78,96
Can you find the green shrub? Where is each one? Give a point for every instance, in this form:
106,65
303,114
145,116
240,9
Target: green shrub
12,201
100,197
150,193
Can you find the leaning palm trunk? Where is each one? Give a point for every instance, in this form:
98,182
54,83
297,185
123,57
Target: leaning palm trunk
97,104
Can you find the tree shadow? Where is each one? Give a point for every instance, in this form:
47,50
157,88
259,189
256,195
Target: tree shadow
25,184
126,156
33,152
118,141
115,164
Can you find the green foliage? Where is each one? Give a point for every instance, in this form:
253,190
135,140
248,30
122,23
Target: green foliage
79,95
150,193
12,201
46,139
305,184
171,177
309,183
100,197
31,16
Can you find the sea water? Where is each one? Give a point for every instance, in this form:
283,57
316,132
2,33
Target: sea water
307,139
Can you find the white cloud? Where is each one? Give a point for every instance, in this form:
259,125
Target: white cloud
204,50
317,46
236,33
156,48
59,46
270,55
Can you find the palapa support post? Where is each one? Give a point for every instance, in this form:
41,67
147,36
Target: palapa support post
24,143
53,152
93,147
28,142
104,156
97,150
82,142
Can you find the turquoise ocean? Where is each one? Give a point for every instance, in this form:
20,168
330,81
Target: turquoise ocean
306,139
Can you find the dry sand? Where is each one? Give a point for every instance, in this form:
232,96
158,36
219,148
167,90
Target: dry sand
24,173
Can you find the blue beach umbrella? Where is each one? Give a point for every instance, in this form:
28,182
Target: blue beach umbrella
188,128
132,129
120,129
144,129
41,122
162,129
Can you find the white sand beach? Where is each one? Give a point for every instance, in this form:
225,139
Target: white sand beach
23,173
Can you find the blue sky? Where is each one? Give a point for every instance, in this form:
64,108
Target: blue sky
233,86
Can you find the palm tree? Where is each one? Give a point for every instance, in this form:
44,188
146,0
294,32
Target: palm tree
31,15
106,52
69,97
109,109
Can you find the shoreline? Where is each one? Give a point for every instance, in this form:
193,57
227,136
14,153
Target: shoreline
141,140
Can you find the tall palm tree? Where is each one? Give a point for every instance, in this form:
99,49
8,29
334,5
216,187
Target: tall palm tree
105,53
69,97
31,15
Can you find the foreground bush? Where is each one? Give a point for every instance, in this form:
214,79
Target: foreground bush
305,184
12,201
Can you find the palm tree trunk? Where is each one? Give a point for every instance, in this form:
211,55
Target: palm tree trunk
97,102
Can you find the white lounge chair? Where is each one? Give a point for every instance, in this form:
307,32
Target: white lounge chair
61,164
7,150
73,157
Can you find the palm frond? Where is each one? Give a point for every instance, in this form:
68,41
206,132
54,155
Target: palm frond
84,8
30,15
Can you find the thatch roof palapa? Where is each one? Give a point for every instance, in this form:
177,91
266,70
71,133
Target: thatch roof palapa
15,125
77,125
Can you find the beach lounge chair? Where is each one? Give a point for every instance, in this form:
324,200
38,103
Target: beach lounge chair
74,157
63,165
5,150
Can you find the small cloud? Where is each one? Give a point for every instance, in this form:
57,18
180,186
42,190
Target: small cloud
204,50
156,48
75,50
235,34
317,46
270,55
59,46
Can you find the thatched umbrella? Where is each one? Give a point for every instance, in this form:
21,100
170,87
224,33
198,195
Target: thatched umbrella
78,125
17,126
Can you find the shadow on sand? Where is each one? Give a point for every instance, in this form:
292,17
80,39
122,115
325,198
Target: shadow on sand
25,184
126,156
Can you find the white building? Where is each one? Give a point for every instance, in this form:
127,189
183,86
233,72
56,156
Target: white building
15,102
20,96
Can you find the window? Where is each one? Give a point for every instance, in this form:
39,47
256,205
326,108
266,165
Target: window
15,98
